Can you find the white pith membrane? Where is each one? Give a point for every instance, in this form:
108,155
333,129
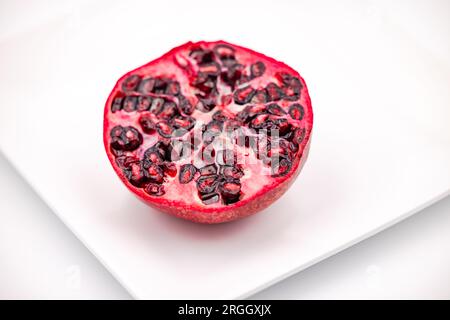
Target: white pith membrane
257,175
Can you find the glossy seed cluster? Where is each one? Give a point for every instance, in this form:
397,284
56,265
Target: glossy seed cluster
164,111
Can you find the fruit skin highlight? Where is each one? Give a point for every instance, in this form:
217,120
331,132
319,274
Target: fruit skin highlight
188,96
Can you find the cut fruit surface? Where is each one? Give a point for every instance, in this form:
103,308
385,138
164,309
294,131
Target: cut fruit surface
209,132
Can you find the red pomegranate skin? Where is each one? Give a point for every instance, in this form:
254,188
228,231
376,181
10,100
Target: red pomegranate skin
249,203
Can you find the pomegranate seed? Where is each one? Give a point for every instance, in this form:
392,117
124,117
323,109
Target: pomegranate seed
155,173
207,184
187,172
284,77
201,56
219,116
281,167
230,191
254,110
224,52
170,169
212,130
242,116
160,86
275,109
172,88
274,91
208,170
116,132
165,148
129,104
257,69
186,123
136,174
169,110
153,155
185,106
155,189
296,111
259,121
227,99
157,105
299,135
293,146
146,86
125,138
279,150
231,172
244,95
116,105
233,74
164,129
291,86
209,198
147,124
206,104
143,103
282,125
260,96
205,83
130,83
124,162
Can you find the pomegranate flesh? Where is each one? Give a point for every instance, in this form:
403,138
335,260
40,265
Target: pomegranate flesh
209,132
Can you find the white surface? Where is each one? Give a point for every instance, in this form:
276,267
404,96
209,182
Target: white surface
40,258
380,147
411,260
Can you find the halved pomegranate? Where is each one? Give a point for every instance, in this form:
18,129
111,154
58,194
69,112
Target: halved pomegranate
209,132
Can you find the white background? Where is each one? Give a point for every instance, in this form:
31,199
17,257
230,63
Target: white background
431,54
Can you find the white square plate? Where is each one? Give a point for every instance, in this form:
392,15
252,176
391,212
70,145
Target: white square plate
380,147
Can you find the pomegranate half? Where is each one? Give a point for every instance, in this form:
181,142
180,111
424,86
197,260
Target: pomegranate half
209,132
